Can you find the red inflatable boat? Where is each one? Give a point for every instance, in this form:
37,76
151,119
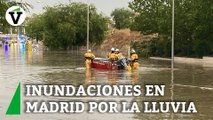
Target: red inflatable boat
103,63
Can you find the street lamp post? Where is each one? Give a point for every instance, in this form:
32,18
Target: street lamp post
173,20
87,24
172,54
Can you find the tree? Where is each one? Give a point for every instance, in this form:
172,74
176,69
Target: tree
122,17
193,23
63,25
3,22
35,26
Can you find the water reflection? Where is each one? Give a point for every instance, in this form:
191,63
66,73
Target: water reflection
135,77
96,76
22,53
6,52
89,77
18,54
29,56
53,75
112,77
172,90
60,67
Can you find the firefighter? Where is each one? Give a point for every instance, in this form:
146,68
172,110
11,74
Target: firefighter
134,59
89,56
118,54
112,56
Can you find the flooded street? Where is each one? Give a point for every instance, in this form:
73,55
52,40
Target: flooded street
191,83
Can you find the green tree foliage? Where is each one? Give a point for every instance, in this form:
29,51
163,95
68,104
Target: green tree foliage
193,25
63,26
3,22
122,17
35,26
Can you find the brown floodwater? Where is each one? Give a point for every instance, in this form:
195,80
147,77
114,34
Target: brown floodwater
190,83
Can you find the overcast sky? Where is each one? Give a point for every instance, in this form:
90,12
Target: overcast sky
103,6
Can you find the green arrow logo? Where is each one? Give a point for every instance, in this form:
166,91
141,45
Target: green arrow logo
15,104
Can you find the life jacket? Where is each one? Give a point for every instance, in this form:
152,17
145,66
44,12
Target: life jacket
119,55
89,56
112,56
134,57
135,65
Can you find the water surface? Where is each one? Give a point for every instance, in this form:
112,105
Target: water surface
191,83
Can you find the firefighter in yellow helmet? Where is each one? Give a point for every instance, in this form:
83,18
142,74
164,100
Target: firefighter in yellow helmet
118,54
134,59
112,56
89,56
